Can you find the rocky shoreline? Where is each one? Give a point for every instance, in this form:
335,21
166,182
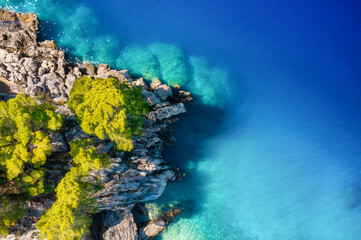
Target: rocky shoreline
40,70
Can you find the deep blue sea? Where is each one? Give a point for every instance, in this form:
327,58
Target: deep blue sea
271,146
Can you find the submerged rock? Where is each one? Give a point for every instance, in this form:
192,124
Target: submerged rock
40,70
152,229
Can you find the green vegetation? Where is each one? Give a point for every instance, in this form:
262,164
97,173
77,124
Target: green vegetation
68,218
105,108
24,147
10,211
108,109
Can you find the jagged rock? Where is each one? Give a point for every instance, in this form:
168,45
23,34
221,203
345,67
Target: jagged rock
18,30
102,69
151,98
48,44
167,112
155,84
120,226
29,21
152,229
63,110
58,143
163,91
90,70
140,83
40,69
76,133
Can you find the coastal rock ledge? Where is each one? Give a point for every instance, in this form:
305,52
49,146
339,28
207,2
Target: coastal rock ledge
40,70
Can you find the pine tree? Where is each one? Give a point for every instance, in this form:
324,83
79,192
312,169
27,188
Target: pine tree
108,109
69,218
24,147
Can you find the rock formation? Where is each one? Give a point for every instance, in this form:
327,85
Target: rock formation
40,70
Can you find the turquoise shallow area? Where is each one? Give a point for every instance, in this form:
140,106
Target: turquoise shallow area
271,147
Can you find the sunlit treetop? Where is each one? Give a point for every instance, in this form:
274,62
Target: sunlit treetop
108,108
24,141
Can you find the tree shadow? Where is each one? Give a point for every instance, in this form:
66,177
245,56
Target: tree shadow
4,88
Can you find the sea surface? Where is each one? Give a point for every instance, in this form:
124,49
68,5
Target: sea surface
271,145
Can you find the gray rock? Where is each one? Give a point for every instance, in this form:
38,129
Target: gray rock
31,66
58,143
102,69
120,225
167,112
151,98
76,133
163,91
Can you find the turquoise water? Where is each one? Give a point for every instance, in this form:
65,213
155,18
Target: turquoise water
271,146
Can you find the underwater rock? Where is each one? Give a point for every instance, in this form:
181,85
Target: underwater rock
152,229
40,70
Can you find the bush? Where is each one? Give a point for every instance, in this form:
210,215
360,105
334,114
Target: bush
108,109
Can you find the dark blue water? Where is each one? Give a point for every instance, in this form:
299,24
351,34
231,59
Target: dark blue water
271,146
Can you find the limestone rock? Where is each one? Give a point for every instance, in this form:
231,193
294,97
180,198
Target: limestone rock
151,98
152,229
120,226
167,112
163,91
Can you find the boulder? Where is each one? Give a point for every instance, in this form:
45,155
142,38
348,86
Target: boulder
152,229
155,84
151,98
163,91
58,143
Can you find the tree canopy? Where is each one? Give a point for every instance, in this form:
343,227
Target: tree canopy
108,108
68,218
24,141
24,147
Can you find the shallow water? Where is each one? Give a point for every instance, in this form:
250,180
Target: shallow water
271,147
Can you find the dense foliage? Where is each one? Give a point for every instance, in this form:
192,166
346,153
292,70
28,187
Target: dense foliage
108,109
68,218
24,147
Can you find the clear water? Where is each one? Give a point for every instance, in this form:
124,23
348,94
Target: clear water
271,147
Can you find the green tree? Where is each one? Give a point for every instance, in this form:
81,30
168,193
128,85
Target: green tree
108,108
24,147
68,218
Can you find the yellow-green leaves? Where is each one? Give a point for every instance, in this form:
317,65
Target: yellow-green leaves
24,147
23,138
108,108
68,218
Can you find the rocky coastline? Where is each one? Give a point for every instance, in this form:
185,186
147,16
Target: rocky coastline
40,70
